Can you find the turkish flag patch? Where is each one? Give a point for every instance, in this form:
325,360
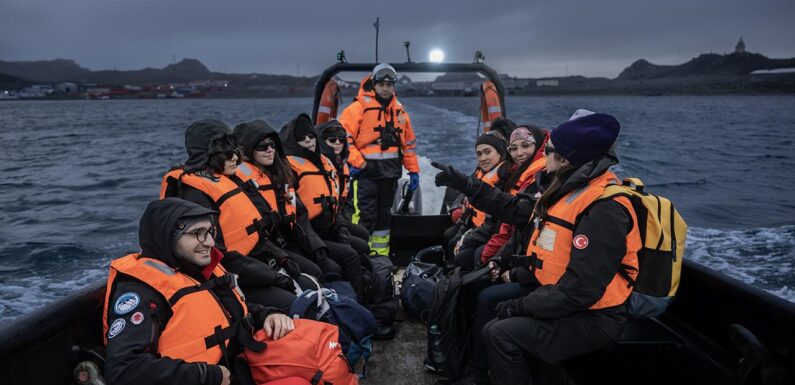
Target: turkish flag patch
580,241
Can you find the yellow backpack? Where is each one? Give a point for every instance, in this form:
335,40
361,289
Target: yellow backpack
663,233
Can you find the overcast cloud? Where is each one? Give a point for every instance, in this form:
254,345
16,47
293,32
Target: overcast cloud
523,38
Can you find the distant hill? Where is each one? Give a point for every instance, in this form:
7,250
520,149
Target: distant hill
8,82
44,70
709,64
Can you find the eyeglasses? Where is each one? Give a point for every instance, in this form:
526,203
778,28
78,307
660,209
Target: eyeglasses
306,137
549,150
202,233
265,146
335,139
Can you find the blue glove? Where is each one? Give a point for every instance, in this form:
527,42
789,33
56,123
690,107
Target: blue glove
353,171
414,181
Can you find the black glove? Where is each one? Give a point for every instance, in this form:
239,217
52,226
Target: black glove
290,266
284,282
343,235
320,255
450,177
507,309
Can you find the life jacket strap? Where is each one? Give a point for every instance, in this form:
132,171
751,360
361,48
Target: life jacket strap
224,280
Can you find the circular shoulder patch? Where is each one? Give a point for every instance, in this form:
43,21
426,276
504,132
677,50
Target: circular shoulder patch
137,318
126,303
580,241
116,327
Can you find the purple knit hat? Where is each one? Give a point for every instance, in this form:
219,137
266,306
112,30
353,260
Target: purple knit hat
585,137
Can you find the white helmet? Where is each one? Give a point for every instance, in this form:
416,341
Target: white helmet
384,73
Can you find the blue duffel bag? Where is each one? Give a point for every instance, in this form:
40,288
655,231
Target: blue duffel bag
419,282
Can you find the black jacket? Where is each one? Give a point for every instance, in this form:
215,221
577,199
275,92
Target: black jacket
341,223
132,353
590,270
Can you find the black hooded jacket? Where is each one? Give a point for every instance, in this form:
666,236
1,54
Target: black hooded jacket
248,135
131,354
590,270
200,137
324,224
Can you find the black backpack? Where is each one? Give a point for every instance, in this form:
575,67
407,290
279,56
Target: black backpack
449,324
380,295
419,282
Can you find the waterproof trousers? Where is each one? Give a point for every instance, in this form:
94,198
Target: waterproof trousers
373,199
511,342
350,264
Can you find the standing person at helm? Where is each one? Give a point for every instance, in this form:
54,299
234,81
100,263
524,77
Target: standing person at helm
577,248
172,313
380,140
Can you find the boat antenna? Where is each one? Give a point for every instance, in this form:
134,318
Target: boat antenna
408,55
479,58
377,26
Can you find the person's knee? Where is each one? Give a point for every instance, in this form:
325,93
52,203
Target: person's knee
498,335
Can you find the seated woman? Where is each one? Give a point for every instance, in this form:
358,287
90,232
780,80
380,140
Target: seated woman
578,249
265,163
334,145
208,179
517,171
163,304
317,187
490,149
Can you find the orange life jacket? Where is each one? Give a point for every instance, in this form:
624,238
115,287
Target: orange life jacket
196,313
317,189
476,216
550,244
379,133
280,198
240,221
490,106
345,182
530,172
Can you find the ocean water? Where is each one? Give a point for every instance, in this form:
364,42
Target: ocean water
76,175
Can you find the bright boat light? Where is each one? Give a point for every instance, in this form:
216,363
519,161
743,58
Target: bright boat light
436,56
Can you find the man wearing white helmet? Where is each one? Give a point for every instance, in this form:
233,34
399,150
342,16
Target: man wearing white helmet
380,140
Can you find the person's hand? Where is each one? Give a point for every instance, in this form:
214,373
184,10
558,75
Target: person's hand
277,325
506,276
494,271
320,255
457,248
414,181
450,177
506,309
225,372
290,266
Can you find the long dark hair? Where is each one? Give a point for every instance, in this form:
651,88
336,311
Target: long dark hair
280,171
551,193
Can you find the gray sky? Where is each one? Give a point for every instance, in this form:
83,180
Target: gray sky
523,38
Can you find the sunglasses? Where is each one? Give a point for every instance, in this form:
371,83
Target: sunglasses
335,139
202,233
228,154
265,146
549,150
306,137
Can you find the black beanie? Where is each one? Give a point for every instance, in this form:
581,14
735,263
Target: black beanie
303,127
493,141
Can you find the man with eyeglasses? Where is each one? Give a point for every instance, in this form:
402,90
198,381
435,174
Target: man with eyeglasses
381,142
173,314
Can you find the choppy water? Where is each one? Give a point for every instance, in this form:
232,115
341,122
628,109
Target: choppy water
76,175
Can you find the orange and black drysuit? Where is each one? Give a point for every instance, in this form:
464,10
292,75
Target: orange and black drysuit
318,188
575,255
380,134
167,321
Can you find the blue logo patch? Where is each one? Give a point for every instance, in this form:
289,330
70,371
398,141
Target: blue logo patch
116,327
126,303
